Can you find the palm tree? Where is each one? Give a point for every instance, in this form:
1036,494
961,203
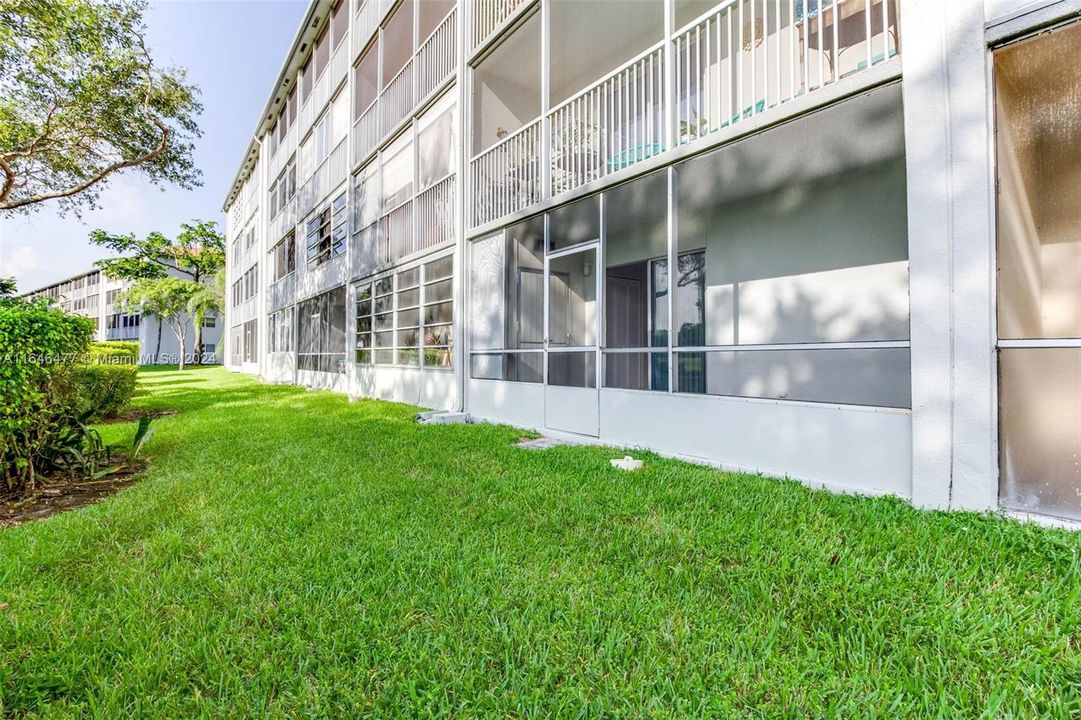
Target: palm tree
209,297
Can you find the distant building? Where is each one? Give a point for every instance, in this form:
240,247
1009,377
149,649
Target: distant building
94,295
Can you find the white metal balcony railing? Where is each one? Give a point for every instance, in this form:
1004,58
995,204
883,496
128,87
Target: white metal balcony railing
436,56
741,58
396,233
746,57
366,133
615,123
488,16
396,99
434,62
507,176
435,214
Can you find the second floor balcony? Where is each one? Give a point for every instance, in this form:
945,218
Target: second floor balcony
739,59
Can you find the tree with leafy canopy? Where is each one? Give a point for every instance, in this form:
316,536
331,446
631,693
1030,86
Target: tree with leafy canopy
198,252
81,100
166,298
7,288
209,298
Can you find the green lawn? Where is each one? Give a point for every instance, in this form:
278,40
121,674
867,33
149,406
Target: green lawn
294,555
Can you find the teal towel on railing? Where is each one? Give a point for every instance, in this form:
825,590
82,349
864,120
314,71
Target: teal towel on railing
633,155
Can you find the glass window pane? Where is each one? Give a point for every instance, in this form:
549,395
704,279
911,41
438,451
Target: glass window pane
409,338
408,356
636,220
384,339
436,292
574,223
438,357
409,318
439,269
636,371
409,298
439,313
573,369
572,300
866,376
383,357
384,322
812,252
384,286
438,335
409,278
1040,400
1037,91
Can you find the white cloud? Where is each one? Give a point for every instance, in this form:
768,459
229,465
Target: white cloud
19,261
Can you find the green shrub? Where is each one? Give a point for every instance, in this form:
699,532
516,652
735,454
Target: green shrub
102,390
38,346
113,353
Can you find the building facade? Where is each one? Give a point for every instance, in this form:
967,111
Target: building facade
94,295
476,206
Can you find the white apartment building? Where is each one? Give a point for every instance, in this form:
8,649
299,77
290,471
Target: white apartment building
870,205
94,295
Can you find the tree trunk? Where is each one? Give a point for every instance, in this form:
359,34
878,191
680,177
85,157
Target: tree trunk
178,328
157,350
197,349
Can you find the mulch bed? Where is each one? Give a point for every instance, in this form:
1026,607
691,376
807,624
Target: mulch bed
59,494
134,415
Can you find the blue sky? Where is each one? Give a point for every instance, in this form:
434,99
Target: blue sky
233,51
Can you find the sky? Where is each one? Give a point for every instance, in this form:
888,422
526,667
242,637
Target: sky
233,50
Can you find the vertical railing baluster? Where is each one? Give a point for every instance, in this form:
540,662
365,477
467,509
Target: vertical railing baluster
885,30
867,23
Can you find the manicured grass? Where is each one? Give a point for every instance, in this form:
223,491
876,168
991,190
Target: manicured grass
294,555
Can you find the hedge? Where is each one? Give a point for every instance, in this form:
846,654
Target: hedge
113,352
38,346
103,389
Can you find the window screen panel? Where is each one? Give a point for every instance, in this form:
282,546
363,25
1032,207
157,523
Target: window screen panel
877,377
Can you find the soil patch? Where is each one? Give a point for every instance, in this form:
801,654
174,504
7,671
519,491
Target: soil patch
59,494
134,415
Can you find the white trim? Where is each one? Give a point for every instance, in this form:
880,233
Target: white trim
1040,343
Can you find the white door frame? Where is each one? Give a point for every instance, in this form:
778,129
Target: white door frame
584,417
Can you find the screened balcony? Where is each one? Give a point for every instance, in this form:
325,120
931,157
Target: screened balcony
620,92
413,55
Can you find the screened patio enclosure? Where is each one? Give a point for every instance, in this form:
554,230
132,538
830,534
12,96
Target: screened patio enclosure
790,251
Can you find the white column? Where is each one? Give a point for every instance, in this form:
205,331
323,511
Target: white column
951,233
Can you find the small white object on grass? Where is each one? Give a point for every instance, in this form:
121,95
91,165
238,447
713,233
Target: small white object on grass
627,463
